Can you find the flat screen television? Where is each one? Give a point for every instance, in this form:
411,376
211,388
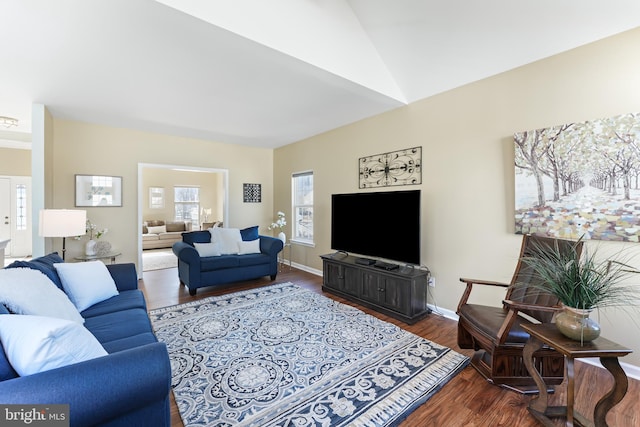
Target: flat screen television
382,224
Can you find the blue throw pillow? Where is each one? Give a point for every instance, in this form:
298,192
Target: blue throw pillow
43,264
192,237
250,233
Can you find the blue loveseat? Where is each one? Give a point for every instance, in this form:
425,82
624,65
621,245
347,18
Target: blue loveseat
197,271
128,387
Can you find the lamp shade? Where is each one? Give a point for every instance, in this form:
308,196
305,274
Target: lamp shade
62,222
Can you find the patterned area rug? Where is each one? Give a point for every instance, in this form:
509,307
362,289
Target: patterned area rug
286,356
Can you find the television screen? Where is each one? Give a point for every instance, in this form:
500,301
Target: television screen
378,224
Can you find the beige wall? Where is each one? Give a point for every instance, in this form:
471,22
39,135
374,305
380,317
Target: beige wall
15,162
81,148
211,186
468,172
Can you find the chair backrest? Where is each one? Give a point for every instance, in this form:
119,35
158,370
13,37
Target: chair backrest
524,283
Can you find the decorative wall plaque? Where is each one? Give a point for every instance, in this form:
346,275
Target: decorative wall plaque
402,167
252,193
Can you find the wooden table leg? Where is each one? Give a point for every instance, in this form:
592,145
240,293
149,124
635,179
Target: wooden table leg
539,403
615,395
570,391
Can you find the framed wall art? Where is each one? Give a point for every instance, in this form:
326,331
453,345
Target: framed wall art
252,193
580,180
402,167
98,190
156,197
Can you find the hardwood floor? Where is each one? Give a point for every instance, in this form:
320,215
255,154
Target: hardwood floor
467,400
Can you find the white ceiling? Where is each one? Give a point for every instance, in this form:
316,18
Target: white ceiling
268,73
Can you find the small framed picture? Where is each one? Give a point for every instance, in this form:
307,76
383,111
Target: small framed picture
156,197
98,191
252,193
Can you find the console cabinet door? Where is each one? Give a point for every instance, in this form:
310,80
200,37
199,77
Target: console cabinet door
333,275
395,294
386,291
342,278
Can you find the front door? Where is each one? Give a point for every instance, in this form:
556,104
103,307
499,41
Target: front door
15,215
5,210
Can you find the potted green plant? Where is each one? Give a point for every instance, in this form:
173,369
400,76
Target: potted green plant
582,281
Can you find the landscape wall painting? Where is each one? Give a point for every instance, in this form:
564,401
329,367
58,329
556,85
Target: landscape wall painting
580,180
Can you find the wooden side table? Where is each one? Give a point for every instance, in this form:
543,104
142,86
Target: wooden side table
606,350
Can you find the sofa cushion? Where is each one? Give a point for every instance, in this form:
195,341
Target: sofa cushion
176,226
29,291
149,237
125,300
129,342
43,264
157,229
250,247
253,259
122,324
192,237
154,222
35,343
250,233
86,283
219,262
174,235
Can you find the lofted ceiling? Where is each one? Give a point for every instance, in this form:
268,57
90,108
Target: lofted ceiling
269,73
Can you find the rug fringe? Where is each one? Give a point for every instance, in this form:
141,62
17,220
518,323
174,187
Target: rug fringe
395,407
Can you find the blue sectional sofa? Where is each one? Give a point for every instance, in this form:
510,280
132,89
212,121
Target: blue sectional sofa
127,387
197,271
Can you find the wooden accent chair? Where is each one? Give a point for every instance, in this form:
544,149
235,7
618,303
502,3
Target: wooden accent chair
495,332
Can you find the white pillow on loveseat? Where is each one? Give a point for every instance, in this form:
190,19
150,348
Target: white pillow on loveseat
227,239
249,247
207,249
34,343
28,291
86,283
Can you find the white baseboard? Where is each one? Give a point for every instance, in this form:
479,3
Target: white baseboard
305,268
632,371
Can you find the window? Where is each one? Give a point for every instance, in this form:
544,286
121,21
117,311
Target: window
187,204
21,207
302,187
101,191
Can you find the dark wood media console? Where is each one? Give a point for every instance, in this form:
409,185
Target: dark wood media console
400,293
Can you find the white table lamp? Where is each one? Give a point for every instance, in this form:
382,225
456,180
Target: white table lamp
62,223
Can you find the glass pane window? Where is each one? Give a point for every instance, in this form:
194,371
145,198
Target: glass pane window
187,204
21,207
102,191
302,188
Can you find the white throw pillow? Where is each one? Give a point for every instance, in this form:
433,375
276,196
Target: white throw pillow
35,343
249,247
29,291
157,230
228,239
207,249
86,283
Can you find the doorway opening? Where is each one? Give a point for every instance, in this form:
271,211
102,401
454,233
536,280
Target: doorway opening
171,193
